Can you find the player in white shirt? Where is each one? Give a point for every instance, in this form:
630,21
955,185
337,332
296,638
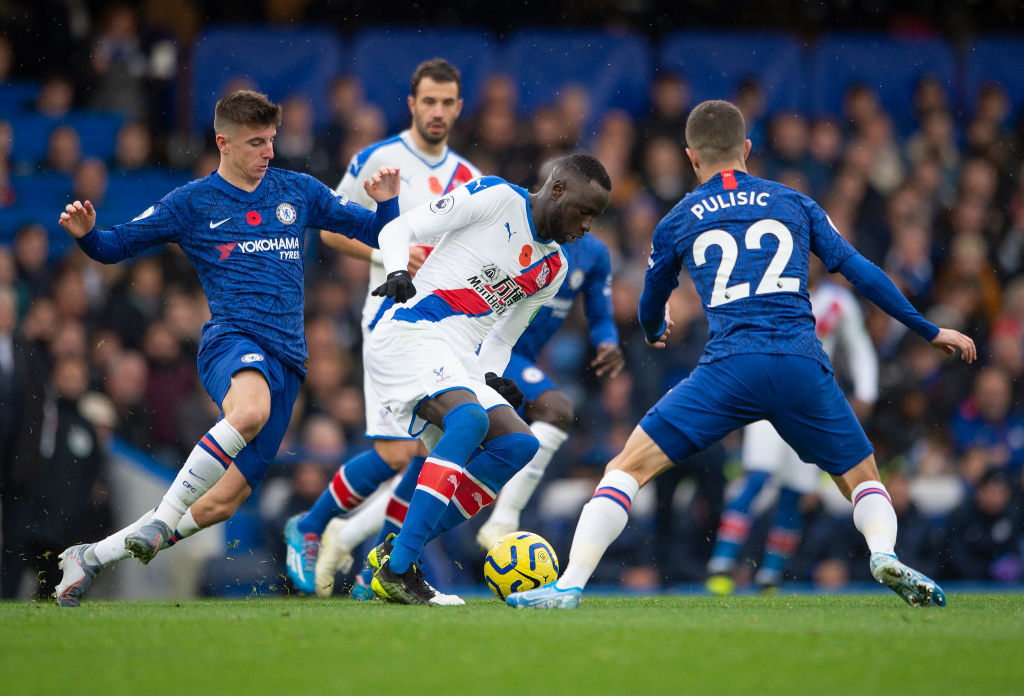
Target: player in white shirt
428,169
839,323
498,263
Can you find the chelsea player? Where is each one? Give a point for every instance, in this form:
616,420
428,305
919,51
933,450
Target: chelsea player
746,242
242,227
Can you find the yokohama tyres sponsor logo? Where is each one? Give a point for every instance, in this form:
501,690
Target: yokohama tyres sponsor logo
288,247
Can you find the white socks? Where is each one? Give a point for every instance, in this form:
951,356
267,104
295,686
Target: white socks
205,465
601,523
111,549
874,516
516,493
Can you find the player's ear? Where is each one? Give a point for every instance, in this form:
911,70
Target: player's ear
746,149
693,158
411,101
557,189
222,142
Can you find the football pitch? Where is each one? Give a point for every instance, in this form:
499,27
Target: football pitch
870,644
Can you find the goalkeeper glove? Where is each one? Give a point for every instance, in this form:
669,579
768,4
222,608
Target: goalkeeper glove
398,286
507,388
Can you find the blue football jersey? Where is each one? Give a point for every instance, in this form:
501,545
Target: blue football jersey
745,242
589,273
248,248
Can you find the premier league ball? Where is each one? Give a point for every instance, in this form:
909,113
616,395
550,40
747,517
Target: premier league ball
518,562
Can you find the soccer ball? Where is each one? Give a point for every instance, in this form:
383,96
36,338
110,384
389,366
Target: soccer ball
518,562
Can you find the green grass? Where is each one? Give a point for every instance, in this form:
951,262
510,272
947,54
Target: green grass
864,645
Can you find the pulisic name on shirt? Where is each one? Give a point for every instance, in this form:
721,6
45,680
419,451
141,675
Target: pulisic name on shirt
721,201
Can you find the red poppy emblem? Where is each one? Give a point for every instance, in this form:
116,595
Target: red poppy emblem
253,217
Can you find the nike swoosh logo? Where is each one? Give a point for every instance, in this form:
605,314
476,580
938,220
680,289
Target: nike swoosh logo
190,470
218,224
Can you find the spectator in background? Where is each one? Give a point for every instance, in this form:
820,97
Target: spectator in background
133,148
135,301
21,403
670,104
63,150
125,385
56,96
983,538
989,422
89,182
296,146
171,380
31,253
119,65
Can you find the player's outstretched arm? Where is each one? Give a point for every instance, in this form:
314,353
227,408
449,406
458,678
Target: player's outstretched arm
78,218
383,185
951,341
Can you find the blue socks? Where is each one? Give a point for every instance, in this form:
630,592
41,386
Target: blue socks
735,524
356,479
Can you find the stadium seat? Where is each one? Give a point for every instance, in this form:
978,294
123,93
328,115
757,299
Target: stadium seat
278,62
999,60
383,58
143,188
47,191
714,64
97,130
17,96
615,68
31,133
890,66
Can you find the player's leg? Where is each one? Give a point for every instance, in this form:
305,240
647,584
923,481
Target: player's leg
761,450
714,400
464,424
550,414
812,415
796,479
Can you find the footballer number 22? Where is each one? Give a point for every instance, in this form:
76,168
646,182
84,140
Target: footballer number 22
772,281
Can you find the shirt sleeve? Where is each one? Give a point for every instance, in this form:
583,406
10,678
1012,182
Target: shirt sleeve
872,282
661,279
496,349
158,224
826,242
336,213
597,300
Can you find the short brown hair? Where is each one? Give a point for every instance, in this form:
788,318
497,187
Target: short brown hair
715,130
438,70
244,107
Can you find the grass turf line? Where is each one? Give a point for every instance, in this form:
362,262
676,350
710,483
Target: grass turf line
665,645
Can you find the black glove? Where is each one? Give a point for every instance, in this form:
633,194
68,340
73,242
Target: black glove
398,286
508,389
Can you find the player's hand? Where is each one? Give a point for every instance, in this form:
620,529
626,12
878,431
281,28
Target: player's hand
660,341
383,185
609,361
398,286
78,219
951,341
507,388
417,255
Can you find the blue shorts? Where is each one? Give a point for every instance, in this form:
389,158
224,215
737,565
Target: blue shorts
798,395
218,362
532,380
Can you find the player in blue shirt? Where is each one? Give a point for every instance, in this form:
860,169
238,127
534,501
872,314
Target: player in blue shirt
243,229
549,411
746,242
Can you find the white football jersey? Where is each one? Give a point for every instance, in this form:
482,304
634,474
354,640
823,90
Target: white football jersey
486,277
424,178
839,323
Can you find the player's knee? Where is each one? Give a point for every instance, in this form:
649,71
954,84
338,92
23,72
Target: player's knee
397,453
555,408
248,418
470,419
515,448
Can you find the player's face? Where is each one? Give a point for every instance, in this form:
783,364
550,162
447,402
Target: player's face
434,109
247,151
575,209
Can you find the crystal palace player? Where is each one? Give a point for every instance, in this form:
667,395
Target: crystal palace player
498,263
429,169
243,229
746,242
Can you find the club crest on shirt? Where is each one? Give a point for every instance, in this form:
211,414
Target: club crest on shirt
543,276
490,271
576,279
532,375
342,199
443,205
286,213
251,358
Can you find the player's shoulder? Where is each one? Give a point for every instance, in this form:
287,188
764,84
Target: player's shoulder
374,152
460,160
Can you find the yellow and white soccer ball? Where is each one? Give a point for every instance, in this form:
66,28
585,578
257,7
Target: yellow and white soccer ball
518,562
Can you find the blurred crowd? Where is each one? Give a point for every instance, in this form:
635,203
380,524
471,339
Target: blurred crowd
91,352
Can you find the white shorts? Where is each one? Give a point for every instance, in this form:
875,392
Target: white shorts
765,450
408,363
380,424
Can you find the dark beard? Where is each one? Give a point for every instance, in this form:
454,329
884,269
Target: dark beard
432,139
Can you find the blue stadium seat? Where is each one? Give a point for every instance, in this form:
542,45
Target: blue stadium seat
383,58
17,96
47,191
31,133
615,68
890,66
278,62
999,60
715,63
97,130
143,188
